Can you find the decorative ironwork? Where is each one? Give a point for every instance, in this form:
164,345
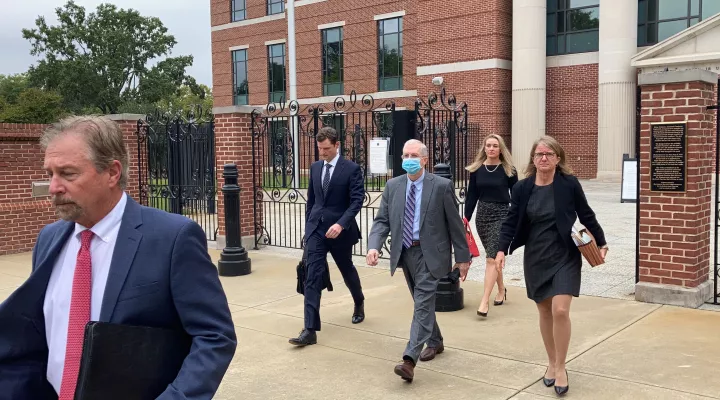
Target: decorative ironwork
176,158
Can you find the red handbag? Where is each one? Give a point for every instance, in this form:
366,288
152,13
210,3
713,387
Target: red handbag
471,240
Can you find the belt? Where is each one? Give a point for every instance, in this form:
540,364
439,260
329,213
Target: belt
415,243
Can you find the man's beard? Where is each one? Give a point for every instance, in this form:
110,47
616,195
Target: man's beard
67,209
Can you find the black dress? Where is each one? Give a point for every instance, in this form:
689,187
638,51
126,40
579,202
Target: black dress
550,268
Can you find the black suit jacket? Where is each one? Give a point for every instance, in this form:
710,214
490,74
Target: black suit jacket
570,205
340,204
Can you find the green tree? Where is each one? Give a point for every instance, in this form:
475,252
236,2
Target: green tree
102,59
11,86
186,98
33,106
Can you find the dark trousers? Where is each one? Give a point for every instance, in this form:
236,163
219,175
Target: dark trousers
424,329
317,247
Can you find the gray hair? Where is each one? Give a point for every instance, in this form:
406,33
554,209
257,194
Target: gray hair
103,137
423,148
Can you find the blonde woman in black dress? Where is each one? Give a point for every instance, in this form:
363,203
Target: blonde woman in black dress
544,208
492,176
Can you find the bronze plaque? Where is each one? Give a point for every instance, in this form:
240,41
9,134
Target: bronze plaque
668,157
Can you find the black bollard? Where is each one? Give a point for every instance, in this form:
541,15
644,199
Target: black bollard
449,295
234,259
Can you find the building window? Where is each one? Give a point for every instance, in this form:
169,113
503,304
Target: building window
275,6
660,19
390,56
276,72
240,77
332,61
237,10
572,26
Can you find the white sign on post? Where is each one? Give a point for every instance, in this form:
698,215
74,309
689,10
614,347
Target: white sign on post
379,156
629,189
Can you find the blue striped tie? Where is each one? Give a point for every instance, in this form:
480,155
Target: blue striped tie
409,218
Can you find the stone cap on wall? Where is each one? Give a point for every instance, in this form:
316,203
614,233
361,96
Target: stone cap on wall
689,75
235,109
124,117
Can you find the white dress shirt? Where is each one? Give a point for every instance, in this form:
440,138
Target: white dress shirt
332,169
56,306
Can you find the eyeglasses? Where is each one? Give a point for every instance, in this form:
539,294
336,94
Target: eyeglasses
541,155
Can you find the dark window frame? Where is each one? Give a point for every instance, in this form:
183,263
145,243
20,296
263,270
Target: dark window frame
272,7
236,13
556,38
383,80
325,62
648,25
237,90
275,95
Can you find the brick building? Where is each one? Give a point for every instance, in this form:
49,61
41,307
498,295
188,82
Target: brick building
524,68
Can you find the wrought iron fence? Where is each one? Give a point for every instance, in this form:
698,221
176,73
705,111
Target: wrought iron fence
176,157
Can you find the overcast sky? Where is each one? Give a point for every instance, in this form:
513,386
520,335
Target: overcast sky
187,20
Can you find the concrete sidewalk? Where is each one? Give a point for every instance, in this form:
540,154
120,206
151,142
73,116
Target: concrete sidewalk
620,349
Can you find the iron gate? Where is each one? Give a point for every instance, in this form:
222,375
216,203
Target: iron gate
716,270
284,147
176,157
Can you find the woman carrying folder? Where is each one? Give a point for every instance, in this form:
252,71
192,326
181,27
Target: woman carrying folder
543,210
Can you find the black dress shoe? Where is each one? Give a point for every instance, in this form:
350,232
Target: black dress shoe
548,381
359,313
306,337
561,390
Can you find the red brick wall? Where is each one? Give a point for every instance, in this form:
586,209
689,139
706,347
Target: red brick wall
675,227
21,162
572,114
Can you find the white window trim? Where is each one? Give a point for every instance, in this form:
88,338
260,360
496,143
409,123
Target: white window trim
276,41
475,65
376,96
331,25
390,15
300,3
241,47
568,60
251,21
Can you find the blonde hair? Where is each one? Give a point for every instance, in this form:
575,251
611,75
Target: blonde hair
553,145
505,156
103,137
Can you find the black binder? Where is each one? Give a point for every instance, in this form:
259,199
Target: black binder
129,362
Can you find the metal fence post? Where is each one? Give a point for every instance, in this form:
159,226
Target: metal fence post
450,296
234,259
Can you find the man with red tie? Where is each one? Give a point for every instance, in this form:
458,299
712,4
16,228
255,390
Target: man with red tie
109,259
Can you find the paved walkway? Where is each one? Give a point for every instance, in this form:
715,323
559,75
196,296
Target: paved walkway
620,349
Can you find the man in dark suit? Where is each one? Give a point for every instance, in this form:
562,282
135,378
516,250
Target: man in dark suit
109,259
335,197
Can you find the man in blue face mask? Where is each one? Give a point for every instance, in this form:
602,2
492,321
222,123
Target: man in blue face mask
419,211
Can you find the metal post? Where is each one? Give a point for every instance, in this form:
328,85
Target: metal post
234,259
449,296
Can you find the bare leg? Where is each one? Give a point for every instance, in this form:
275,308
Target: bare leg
490,278
561,334
546,330
500,296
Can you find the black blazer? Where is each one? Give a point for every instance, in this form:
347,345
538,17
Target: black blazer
570,204
342,202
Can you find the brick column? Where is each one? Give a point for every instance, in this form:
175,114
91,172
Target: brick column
675,227
128,124
233,144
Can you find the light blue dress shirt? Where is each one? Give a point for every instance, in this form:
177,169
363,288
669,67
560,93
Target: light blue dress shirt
418,196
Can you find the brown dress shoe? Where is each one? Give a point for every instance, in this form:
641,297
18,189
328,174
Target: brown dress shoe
406,370
430,352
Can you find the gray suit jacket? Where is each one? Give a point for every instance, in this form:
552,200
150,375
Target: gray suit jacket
440,224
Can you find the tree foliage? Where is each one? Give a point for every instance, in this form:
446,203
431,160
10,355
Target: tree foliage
20,103
102,59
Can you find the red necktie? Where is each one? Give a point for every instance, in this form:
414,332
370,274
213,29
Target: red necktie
79,316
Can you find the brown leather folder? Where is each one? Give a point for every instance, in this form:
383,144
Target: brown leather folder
129,362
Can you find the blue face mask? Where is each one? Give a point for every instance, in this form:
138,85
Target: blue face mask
411,165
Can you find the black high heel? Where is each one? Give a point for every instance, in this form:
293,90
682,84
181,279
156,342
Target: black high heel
499,303
483,314
561,390
548,381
